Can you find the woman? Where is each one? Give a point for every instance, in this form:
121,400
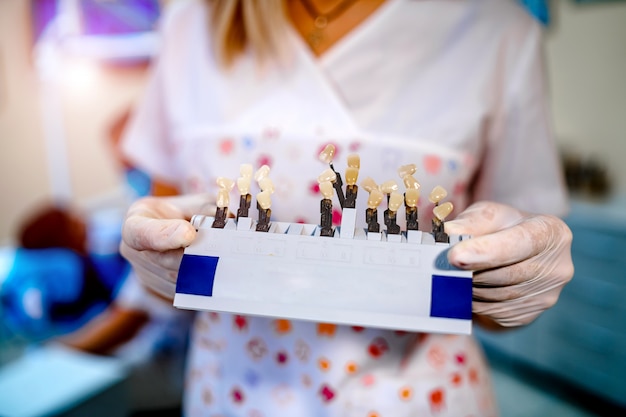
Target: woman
455,87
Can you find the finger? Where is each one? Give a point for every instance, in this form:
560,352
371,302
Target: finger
177,207
519,311
533,287
519,306
145,233
163,264
191,204
163,288
482,218
506,247
165,261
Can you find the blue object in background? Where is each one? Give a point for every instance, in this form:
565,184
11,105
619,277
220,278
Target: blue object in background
38,279
139,182
539,9
48,292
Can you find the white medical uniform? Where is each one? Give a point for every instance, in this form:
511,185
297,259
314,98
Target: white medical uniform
455,87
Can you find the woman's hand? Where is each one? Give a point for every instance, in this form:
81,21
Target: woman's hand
521,261
154,235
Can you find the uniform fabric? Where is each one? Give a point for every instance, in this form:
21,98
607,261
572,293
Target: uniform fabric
455,87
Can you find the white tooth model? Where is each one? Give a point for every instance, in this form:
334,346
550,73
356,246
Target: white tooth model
399,281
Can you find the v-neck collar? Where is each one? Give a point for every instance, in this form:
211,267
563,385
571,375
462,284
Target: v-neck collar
345,41
316,64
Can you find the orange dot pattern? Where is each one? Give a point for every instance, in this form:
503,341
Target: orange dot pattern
324,364
326,329
282,326
352,367
406,393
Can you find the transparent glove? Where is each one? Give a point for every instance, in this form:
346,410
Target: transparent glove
521,261
155,232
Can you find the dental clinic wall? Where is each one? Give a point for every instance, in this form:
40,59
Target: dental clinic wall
91,98
586,52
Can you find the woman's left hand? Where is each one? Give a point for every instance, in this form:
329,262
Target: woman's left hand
521,261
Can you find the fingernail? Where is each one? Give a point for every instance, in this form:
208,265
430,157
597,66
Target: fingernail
461,257
184,235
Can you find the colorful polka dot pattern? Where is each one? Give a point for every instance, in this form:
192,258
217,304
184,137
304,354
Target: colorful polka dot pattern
261,367
432,375
295,165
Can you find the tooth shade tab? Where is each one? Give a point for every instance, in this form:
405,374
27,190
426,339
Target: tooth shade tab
437,194
388,187
354,161
375,198
223,199
442,211
225,183
245,170
352,174
405,170
327,175
326,188
261,173
266,184
264,200
243,185
410,182
395,200
327,154
369,184
411,196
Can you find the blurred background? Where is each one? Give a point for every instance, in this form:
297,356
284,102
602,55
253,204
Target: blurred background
71,70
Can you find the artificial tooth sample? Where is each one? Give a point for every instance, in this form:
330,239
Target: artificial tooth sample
440,212
354,161
327,175
245,170
388,187
261,173
327,155
369,184
223,200
411,197
410,182
395,201
225,183
437,194
266,184
243,185
264,204
352,174
371,214
405,170
326,209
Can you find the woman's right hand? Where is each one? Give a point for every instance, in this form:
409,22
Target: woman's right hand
154,235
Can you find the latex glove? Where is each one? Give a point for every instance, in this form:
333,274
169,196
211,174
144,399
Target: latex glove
155,232
521,261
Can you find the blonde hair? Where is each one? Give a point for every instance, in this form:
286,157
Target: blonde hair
237,25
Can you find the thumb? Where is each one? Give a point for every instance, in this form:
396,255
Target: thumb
144,233
191,204
161,224
483,218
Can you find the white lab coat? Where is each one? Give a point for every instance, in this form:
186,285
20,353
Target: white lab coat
455,87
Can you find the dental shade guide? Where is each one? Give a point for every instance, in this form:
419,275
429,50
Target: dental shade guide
357,277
